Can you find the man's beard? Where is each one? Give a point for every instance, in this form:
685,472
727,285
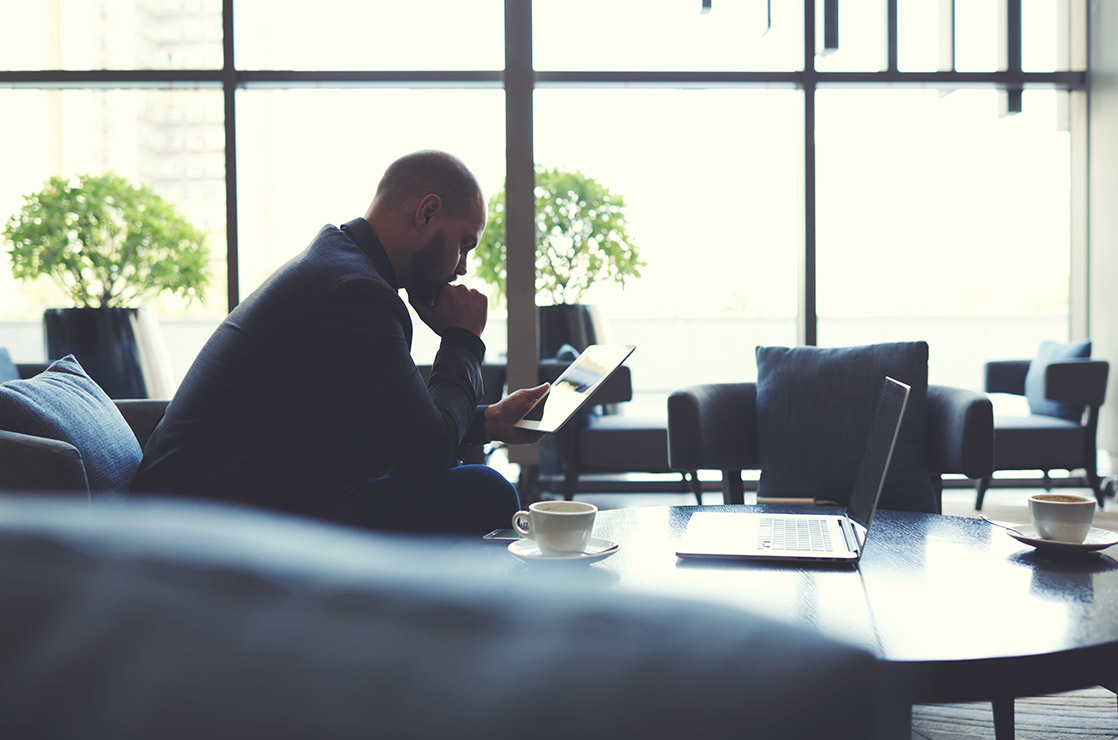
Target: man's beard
426,261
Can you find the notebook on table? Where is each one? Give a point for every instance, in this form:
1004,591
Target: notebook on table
798,537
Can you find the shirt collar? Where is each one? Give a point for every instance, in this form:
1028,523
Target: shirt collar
362,233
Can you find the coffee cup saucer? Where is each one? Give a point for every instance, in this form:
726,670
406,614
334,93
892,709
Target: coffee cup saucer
597,549
1097,539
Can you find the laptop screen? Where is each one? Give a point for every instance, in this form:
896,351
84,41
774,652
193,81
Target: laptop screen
879,451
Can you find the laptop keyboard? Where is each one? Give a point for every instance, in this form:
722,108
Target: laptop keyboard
798,534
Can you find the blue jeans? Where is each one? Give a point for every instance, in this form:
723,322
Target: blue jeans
469,499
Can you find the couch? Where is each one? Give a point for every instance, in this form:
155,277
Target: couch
179,619
60,432
128,617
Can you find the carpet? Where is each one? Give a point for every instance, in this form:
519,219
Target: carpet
1087,713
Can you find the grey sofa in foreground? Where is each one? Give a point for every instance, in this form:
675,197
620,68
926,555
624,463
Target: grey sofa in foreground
173,619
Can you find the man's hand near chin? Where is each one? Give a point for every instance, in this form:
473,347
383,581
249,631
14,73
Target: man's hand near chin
455,305
500,417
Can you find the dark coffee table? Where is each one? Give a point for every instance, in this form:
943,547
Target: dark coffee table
956,609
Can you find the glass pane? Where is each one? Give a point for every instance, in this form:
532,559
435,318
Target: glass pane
939,220
291,184
714,201
976,36
111,34
862,38
369,34
918,36
667,34
172,140
1038,34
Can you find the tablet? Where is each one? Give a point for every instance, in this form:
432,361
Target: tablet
575,386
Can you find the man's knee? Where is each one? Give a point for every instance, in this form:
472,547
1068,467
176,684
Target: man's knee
491,487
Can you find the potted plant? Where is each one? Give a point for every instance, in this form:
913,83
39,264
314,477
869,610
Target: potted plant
583,238
110,246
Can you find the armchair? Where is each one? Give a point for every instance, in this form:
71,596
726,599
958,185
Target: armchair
598,441
717,426
1050,437
714,427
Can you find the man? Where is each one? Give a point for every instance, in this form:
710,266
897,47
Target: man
306,398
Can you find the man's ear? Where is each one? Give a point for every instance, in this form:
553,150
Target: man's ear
425,211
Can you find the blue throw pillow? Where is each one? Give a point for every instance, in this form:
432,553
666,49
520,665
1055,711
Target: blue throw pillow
1050,352
8,369
814,410
65,404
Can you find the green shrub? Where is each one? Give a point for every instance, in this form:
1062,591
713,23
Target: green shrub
107,243
582,233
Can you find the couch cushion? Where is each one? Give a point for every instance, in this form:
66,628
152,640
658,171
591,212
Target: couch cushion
174,619
1048,353
814,410
64,403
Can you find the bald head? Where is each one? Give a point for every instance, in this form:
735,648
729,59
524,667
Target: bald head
421,173
428,213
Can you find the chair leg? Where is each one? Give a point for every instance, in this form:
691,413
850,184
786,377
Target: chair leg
1003,719
733,491
570,482
1046,481
1096,483
980,487
528,487
696,485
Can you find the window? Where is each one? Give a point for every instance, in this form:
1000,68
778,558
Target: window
111,34
342,34
667,35
292,184
713,186
773,203
941,220
168,139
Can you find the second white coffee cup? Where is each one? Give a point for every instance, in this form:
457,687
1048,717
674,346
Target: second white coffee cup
557,527
1062,517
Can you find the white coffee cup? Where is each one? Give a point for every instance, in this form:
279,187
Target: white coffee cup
557,527
1063,517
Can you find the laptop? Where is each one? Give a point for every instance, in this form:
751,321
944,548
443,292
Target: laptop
811,537
574,387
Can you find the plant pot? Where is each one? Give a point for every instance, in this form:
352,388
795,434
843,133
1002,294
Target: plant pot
578,325
117,347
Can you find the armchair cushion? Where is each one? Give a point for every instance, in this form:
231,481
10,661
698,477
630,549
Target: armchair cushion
1035,384
65,404
814,410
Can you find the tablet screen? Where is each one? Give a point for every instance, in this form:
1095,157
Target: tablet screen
575,386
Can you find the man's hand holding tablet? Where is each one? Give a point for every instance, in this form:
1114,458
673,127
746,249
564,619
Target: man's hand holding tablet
571,390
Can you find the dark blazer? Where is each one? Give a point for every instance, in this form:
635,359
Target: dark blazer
309,385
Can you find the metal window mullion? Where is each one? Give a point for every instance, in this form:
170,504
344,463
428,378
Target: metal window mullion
229,91
947,35
520,208
1009,50
807,327
891,35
